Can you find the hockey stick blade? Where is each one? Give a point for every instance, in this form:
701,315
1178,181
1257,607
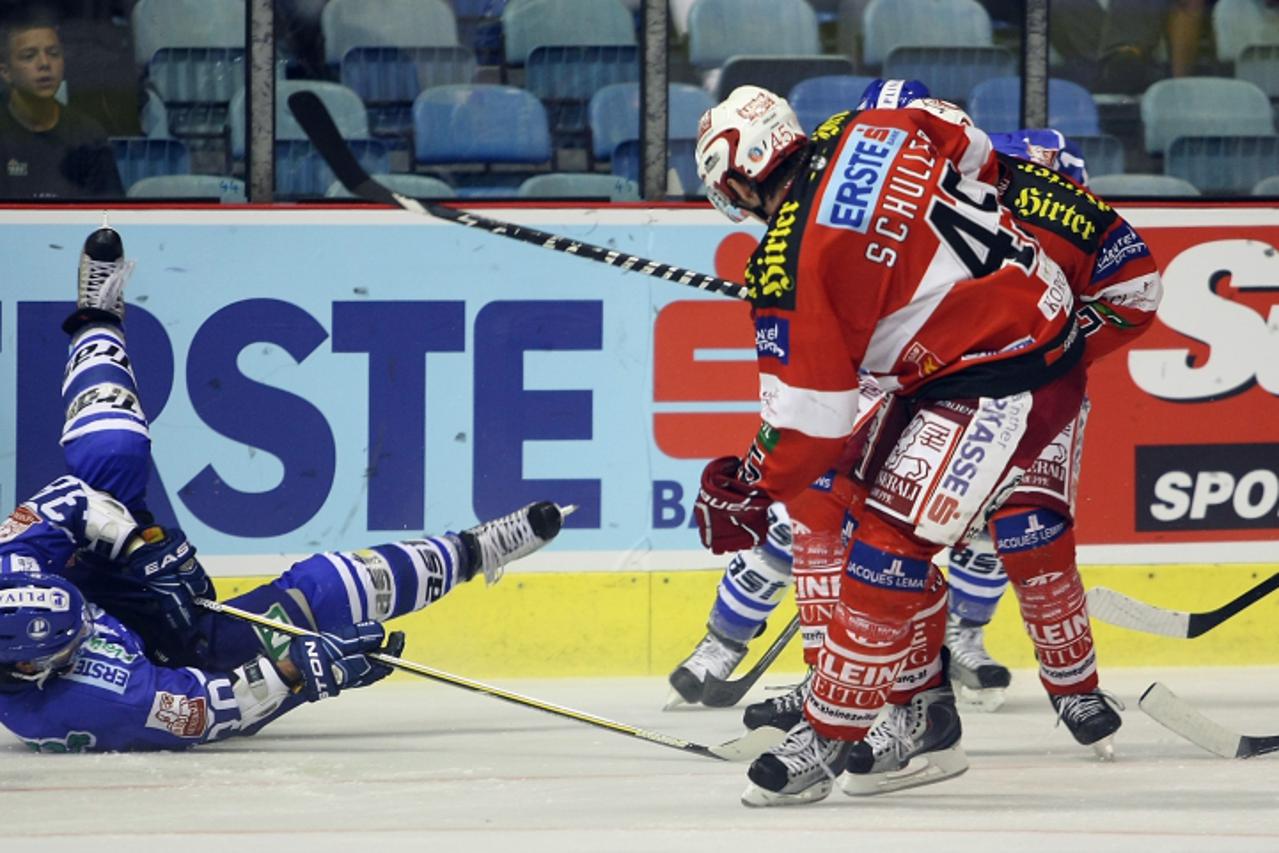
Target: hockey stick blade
1116,608
1173,713
724,694
318,125
479,687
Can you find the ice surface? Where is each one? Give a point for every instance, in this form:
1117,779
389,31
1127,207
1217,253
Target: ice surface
409,765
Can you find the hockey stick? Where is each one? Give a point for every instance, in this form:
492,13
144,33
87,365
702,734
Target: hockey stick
315,120
1174,714
733,750
1119,609
724,694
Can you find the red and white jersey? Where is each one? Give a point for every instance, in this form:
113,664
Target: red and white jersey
1108,265
891,253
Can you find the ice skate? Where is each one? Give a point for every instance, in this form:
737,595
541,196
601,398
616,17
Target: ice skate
780,712
1091,718
913,744
980,681
802,769
509,537
715,656
103,273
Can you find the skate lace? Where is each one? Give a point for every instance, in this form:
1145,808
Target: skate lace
792,700
713,655
802,750
893,733
503,540
1077,708
967,648
106,276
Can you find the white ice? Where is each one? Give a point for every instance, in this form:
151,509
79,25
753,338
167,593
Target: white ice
409,765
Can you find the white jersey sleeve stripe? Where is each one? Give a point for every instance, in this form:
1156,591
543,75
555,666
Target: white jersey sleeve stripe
975,155
820,414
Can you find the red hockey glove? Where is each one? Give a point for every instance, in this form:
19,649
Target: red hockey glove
731,515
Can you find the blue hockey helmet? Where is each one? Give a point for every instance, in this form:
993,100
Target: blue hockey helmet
884,94
43,621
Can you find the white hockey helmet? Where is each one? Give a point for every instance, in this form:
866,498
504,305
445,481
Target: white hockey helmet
748,135
947,110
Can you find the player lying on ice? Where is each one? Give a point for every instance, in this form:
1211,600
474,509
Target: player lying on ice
1117,285
887,251
102,646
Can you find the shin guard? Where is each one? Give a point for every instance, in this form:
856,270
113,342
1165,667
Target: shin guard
1037,548
822,524
923,669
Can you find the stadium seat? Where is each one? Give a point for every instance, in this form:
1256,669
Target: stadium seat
891,24
138,157
778,73
1136,184
530,24
186,23
1223,165
300,171
479,27
1200,106
565,77
414,186
226,189
681,159
1236,24
387,79
721,29
615,115
995,106
818,98
1103,153
345,24
1259,65
153,117
584,185
196,85
1267,186
480,123
343,104
950,72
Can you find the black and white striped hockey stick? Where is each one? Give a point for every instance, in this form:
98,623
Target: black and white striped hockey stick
1174,714
725,694
739,749
315,120
1116,608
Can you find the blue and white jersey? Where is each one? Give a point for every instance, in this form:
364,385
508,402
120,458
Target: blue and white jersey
1044,146
114,699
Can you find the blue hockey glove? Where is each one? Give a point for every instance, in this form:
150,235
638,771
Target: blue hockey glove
166,565
335,661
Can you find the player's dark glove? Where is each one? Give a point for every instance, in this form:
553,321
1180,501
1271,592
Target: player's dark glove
337,660
731,514
166,565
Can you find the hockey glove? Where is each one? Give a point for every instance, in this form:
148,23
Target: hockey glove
165,564
335,661
731,514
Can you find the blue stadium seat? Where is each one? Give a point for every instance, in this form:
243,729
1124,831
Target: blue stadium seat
479,27
1103,154
138,157
154,117
721,29
995,106
530,24
385,23
891,24
950,72
565,77
1135,184
185,23
1201,106
480,123
300,171
681,156
196,84
387,79
615,115
1223,165
584,185
818,98
1239,23
226,189
778,73
414,186
343,104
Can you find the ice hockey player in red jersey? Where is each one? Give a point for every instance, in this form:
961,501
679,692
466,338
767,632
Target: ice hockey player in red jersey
887,250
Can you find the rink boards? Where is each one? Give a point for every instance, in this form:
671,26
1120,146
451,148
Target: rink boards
329,377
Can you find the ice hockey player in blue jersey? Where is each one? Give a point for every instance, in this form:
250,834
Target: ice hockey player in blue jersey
102,644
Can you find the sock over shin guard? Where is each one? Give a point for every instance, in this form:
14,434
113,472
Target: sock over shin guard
823,523
1037,548
923,669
